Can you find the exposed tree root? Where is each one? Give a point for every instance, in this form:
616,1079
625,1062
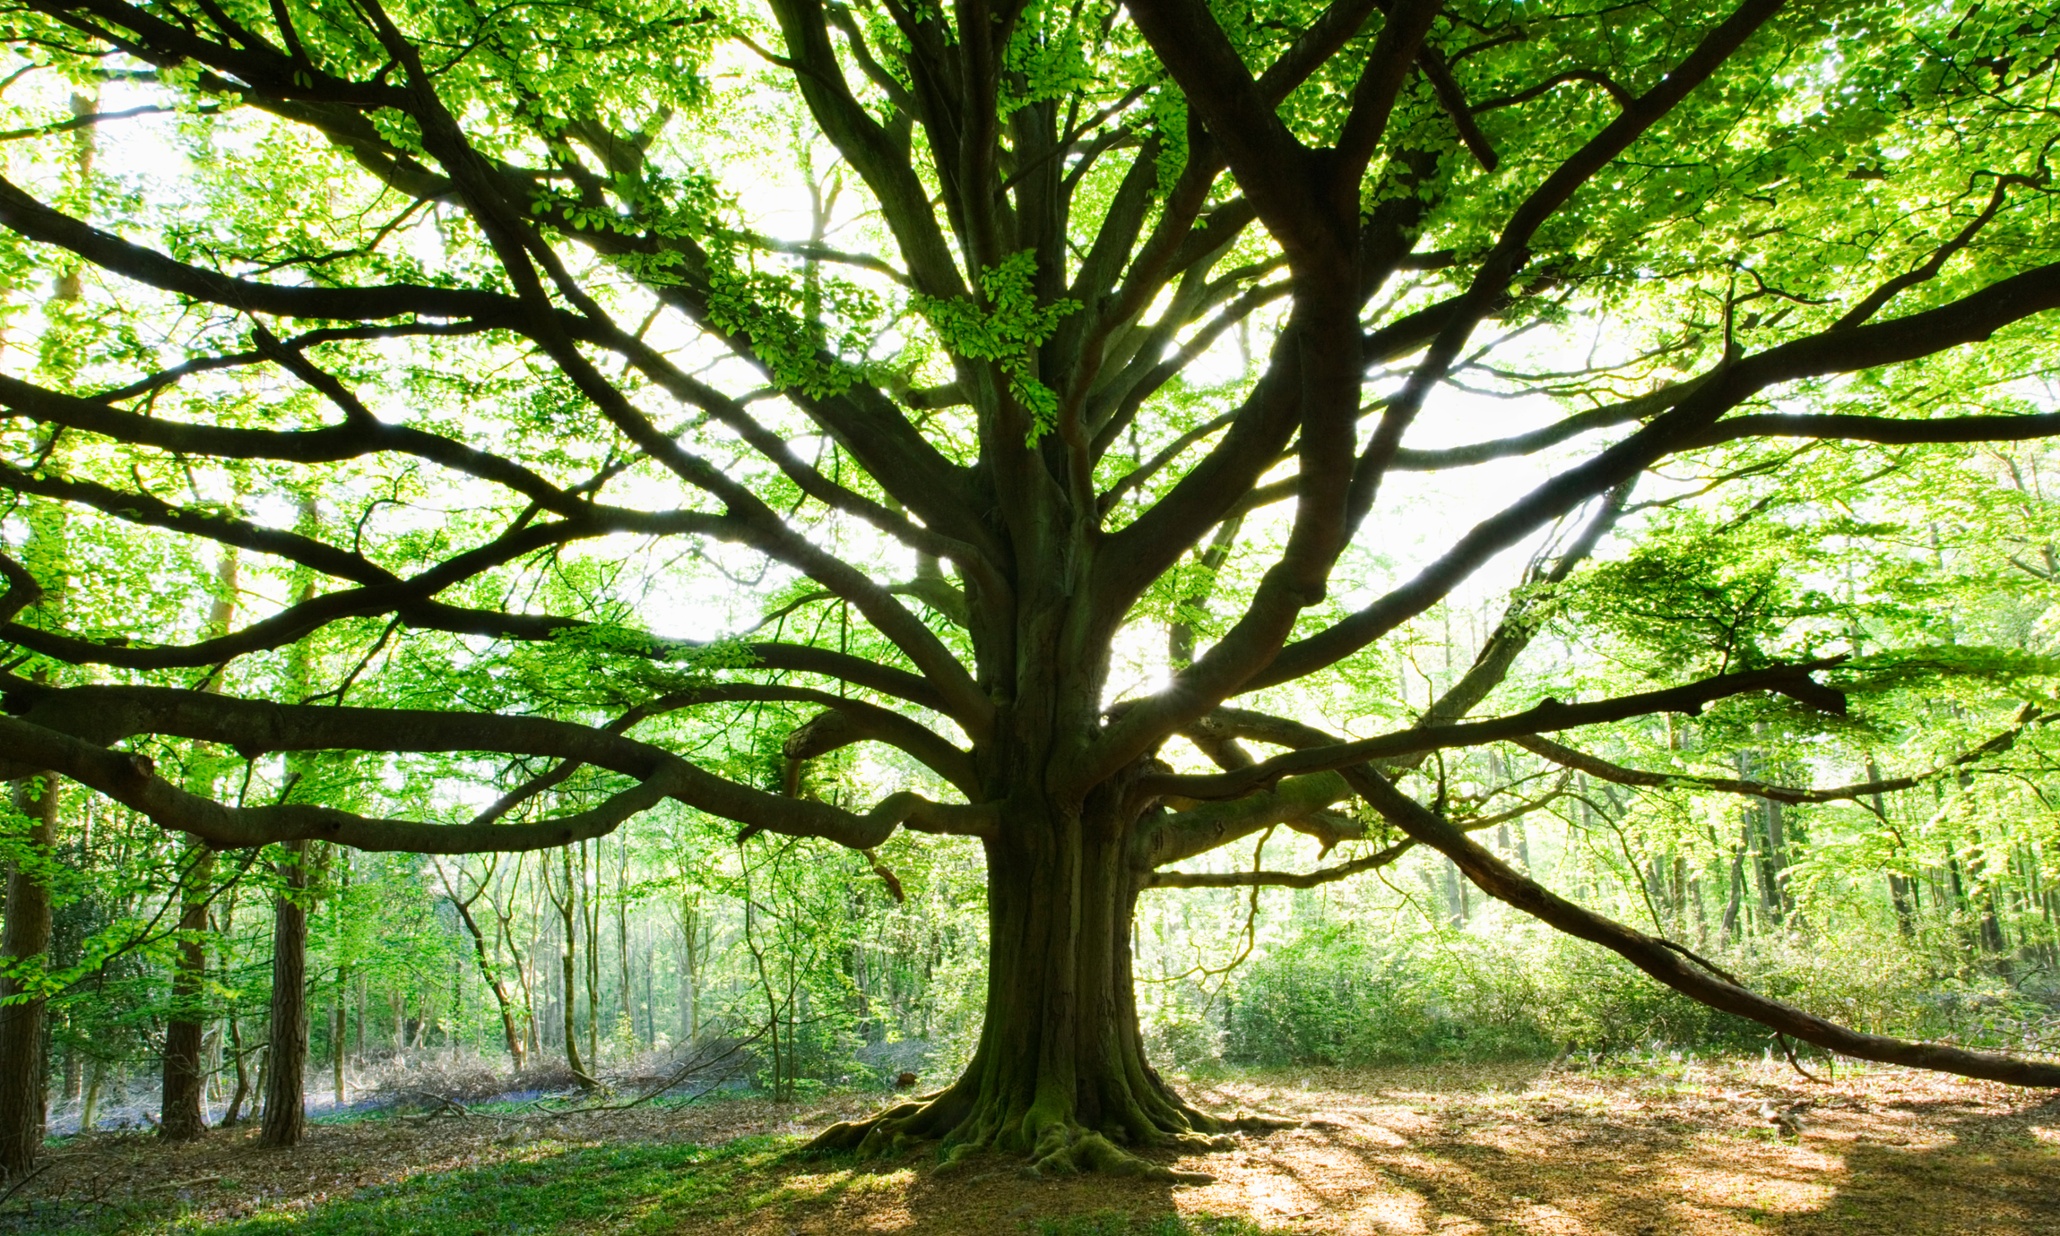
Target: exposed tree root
1047,1146
1068,1150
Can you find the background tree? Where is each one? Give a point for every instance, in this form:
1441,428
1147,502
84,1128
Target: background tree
286,1057
1086,407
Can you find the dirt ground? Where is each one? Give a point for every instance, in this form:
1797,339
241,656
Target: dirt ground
1509,1149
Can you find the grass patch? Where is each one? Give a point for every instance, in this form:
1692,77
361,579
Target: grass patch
618,1188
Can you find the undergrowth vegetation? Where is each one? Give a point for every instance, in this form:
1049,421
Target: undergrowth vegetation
1344,994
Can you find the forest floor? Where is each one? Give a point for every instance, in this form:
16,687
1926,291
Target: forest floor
1446,1150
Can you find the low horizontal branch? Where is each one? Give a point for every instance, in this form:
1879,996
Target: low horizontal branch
1691,698
131,779
62,727
1205,826
1573,426
1665,961
1595,766
1887,430
1278,879
1327,875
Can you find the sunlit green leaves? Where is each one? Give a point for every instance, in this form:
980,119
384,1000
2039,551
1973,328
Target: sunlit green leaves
1006,328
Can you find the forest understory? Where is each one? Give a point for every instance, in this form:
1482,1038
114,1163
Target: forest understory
1728,1147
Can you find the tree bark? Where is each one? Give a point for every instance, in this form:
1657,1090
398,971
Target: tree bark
182,1116
1060,1073
287,1057
25,937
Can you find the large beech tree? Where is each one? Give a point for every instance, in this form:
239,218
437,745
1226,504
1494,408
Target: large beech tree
989,348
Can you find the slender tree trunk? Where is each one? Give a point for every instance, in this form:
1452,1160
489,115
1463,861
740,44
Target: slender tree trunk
629,1011
235,1109
509,1030
264,1076
1961,904
773,1009
231,1030
89,1106
1899,888
1982,868
1728,929
338,1041
568,1008
525,967
24,939
287,1057
523,1027
182,1114
1899,898
529,1017
568,914
1778,851
283,1078
649,1034
690,969
457,1022
590,924
183,1109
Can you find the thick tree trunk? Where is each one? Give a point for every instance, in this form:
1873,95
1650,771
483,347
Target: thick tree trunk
287,1058
180,1115
1060,1074
26,935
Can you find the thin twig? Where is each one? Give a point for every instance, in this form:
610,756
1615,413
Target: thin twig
16,1187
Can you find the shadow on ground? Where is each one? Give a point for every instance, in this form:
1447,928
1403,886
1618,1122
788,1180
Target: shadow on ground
1451,1152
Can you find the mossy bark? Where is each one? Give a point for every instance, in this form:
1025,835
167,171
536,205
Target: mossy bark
1060,1077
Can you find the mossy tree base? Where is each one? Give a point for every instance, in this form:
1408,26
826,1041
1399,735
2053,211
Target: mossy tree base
1048,1145
1060,1079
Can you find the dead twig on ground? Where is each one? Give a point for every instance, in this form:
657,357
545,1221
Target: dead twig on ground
16,1187
696,1063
